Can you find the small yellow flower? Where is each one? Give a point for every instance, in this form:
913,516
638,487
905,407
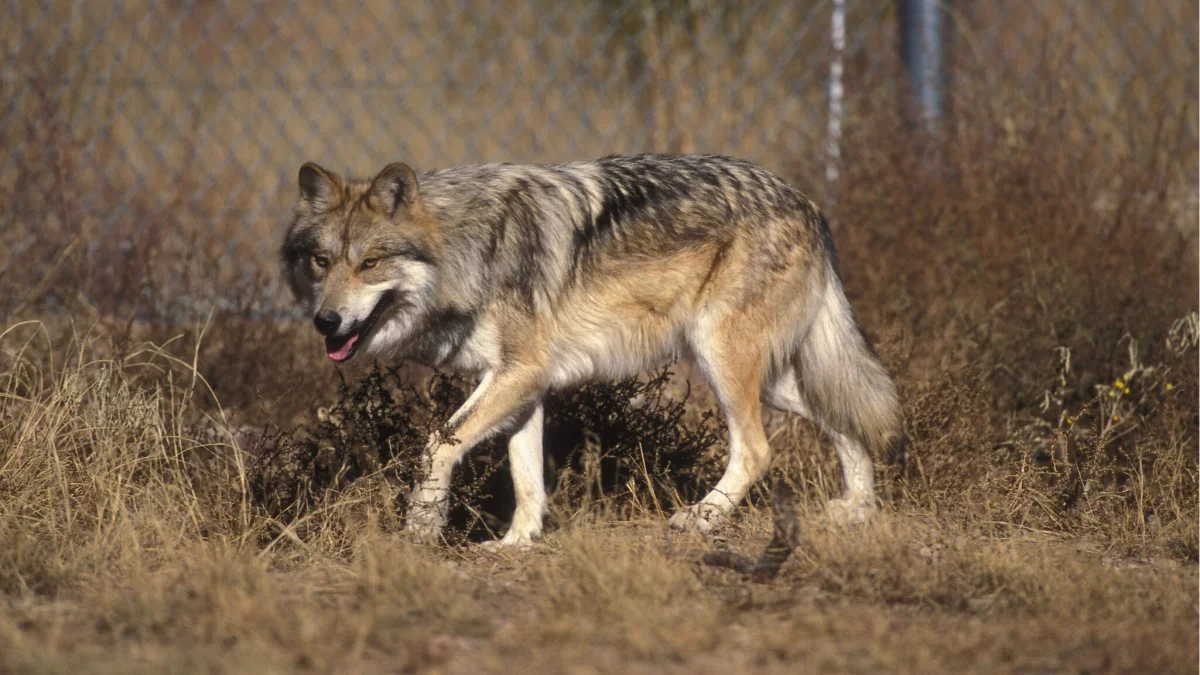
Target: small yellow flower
1170,386
1116,419
1070,420
1118,384
1126,390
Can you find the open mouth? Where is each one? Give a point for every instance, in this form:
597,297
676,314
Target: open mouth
342,348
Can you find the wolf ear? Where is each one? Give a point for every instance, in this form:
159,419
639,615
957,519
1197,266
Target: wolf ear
394,188
318,187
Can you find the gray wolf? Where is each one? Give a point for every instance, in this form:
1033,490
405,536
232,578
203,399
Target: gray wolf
534,277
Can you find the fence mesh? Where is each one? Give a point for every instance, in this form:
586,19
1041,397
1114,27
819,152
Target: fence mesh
138,120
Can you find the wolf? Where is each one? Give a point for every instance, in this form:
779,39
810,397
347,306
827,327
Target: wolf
534,277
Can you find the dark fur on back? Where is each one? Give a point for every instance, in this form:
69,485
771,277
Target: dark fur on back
629,207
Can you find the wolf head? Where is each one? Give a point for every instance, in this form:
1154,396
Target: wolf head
361,257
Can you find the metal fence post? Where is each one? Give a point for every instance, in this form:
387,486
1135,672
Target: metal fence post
833,137
922,48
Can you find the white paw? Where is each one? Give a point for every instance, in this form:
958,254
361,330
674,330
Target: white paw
850,511
424,524
507,544
703,518
518,537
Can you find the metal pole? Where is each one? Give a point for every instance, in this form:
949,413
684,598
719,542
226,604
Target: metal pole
923,51
833,140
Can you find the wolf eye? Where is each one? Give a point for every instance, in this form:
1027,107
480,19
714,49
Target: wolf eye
320,261
369,263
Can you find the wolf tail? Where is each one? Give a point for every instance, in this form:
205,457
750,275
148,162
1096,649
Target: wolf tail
843,381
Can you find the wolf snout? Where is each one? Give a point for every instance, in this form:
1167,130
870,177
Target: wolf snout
327,323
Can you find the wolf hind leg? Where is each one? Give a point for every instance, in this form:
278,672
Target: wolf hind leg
857,503
839,383
734,373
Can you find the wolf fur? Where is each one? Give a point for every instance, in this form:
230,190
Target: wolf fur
534,277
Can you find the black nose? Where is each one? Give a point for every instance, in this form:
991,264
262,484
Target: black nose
327,322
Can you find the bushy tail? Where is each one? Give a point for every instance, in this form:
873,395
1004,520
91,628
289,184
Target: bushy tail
843,381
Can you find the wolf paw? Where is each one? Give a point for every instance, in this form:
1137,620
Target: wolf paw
424,525
507,543
519,537
850,511
702,518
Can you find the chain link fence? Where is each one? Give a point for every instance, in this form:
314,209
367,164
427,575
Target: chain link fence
182,123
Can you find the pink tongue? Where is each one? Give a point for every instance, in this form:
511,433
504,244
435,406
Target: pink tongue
343,352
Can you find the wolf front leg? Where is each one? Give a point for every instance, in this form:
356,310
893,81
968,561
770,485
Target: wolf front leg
499,398
529,485
525,460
